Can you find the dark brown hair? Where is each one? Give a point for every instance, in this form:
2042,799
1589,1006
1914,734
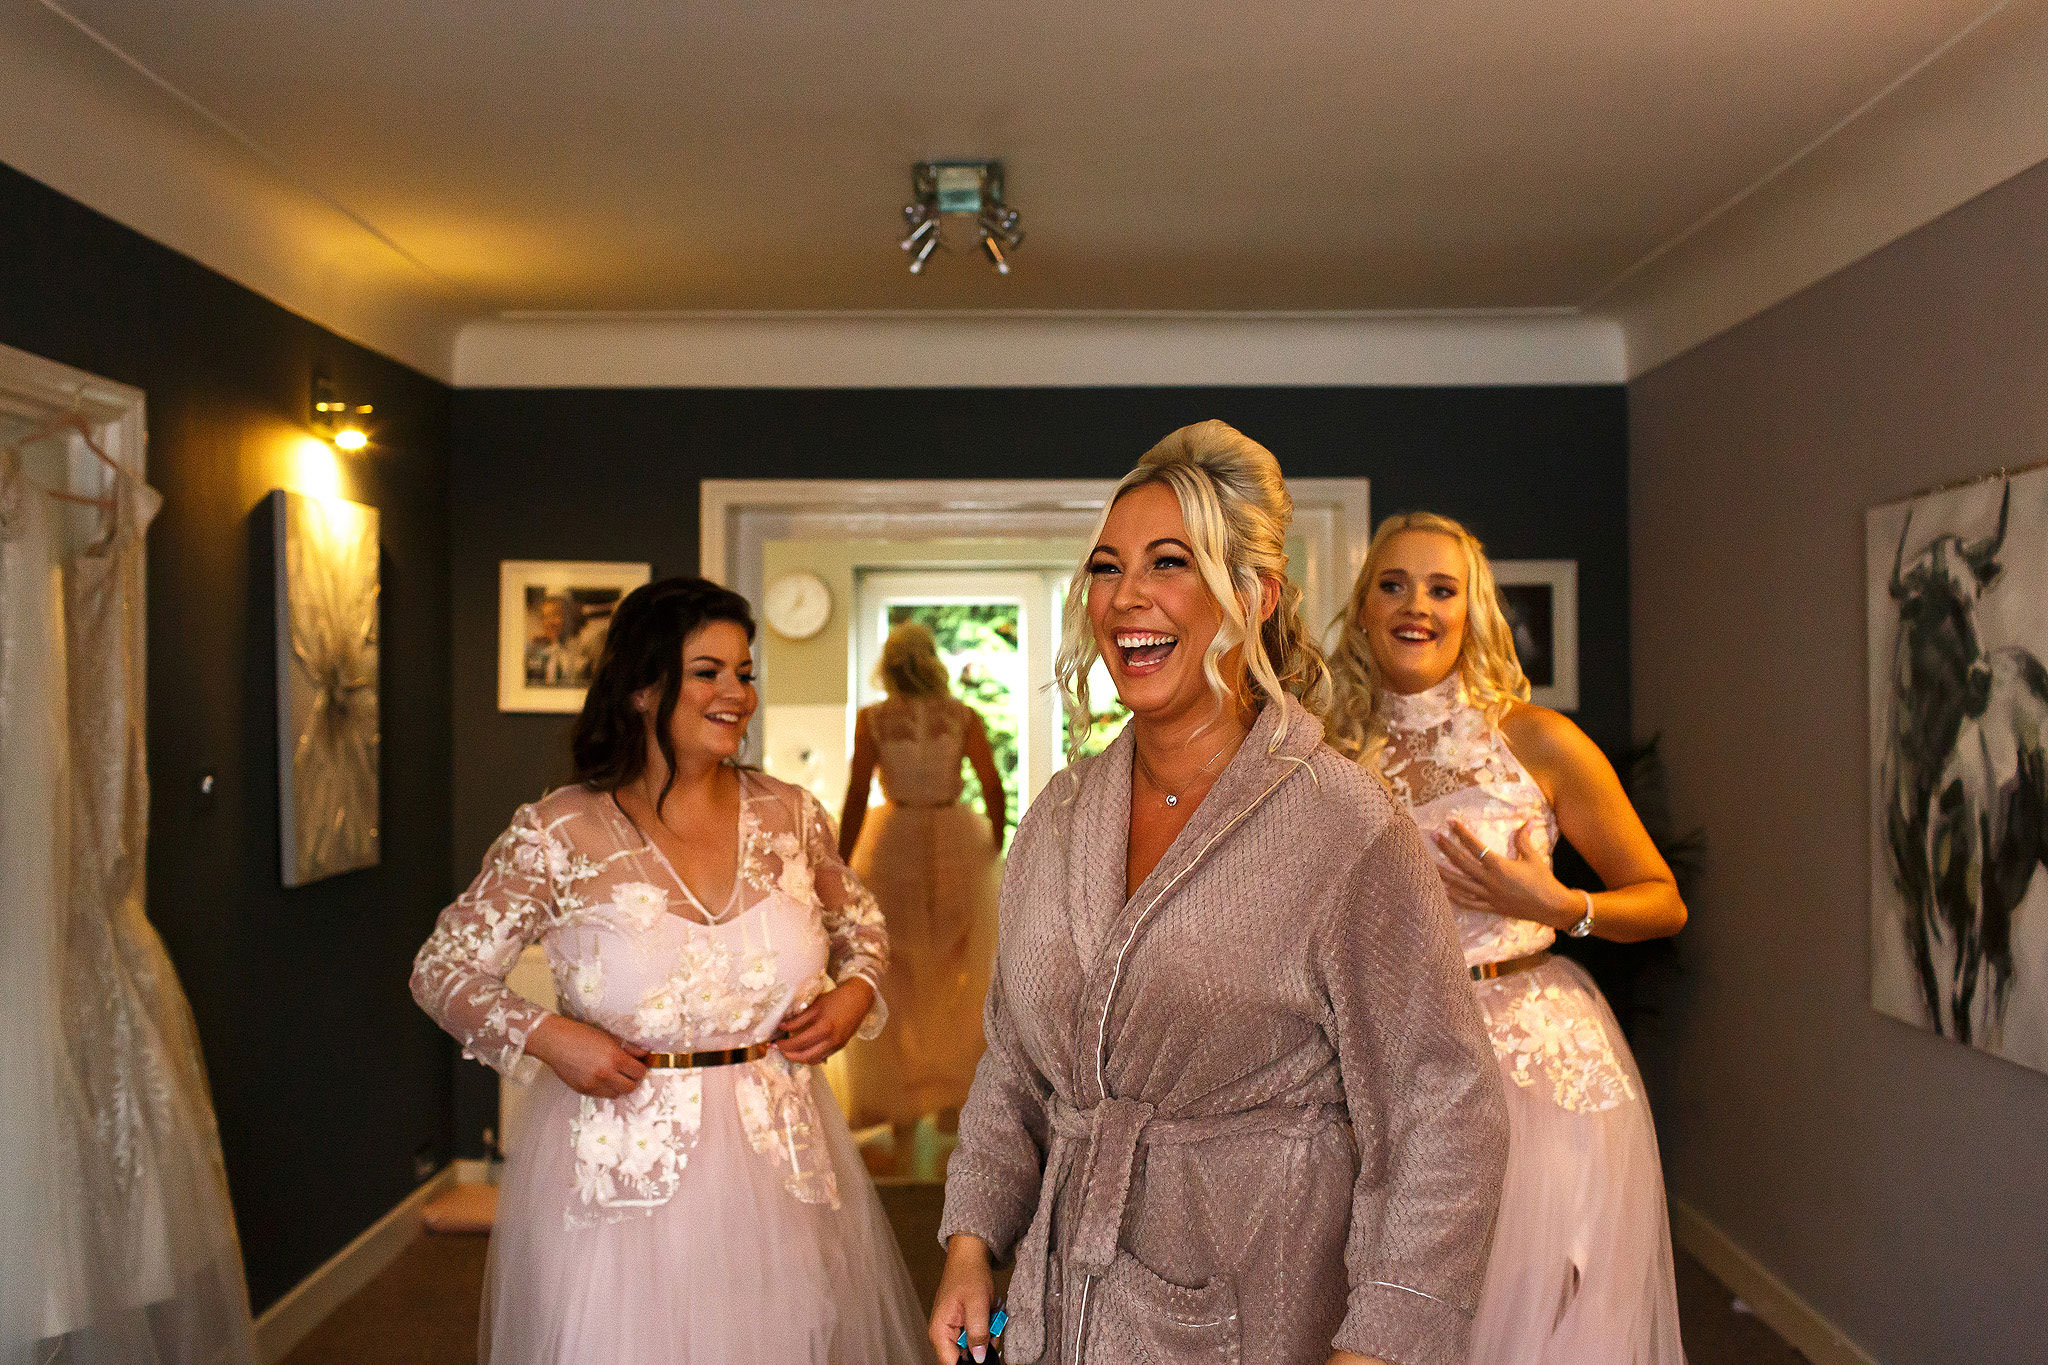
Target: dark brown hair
642,649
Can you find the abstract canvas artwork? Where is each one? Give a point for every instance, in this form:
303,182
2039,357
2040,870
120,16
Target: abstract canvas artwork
327,707
1958,603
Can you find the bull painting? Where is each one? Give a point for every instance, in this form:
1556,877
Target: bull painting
1959,707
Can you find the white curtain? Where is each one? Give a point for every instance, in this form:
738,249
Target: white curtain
117,1243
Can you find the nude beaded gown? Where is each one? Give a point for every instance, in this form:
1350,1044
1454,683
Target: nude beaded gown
928,858
1581,1270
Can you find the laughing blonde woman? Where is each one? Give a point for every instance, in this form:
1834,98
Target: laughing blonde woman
1237,1102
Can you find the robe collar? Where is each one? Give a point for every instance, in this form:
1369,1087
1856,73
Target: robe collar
1108,926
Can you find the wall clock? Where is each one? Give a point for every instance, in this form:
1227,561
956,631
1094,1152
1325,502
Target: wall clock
797,605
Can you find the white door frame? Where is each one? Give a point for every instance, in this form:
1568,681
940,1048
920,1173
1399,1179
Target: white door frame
736,516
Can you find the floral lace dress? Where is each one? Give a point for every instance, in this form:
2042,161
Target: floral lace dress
1581,1269
719,1214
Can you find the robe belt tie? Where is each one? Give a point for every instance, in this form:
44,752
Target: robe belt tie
1104,1142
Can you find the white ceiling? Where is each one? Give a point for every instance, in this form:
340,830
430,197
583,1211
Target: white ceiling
387,164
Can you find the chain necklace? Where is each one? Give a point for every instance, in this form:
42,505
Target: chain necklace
1173,798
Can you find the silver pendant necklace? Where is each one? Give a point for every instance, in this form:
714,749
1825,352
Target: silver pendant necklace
1173,798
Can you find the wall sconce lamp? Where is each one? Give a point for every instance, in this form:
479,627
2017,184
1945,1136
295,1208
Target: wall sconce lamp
970,189
336,419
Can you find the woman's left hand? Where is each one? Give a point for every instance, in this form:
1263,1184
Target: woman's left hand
816,1032
1516,885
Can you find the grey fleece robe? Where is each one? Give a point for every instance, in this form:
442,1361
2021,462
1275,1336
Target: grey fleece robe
1249,1114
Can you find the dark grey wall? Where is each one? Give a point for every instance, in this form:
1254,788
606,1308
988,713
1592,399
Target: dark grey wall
613,474
327,1080
1894,1179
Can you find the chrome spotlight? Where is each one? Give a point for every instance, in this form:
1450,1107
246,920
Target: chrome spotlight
968,189
929,227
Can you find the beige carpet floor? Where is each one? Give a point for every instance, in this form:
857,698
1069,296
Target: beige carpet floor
422,1310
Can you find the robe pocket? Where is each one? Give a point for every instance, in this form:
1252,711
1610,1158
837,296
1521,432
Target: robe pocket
1140,1319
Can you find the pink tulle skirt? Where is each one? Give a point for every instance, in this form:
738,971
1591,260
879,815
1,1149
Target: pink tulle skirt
733,1269
1581,1271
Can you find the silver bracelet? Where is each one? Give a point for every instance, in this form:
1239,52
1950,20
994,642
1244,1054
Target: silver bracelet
1585,924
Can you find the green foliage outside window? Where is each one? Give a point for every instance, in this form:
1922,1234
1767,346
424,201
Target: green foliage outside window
978,643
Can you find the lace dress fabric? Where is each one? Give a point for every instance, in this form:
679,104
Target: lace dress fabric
1581,1270
740,1182
931,864
120,1240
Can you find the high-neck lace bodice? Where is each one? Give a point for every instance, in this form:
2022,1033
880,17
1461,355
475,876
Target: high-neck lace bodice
1446,762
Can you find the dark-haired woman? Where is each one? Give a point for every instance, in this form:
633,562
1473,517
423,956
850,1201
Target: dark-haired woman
685,1190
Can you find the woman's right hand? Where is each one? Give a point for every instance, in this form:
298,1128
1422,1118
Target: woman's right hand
589,1060
965,1301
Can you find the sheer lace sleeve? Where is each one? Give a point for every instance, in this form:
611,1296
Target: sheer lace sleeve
853,921
459,976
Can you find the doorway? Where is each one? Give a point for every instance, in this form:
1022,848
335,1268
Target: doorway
996,636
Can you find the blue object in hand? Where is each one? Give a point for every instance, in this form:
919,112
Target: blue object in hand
996,1325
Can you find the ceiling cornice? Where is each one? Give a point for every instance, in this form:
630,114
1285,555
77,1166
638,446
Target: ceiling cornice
1968,118
89,121
725,350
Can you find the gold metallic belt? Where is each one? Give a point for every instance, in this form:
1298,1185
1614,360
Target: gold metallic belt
718,1056
1487,971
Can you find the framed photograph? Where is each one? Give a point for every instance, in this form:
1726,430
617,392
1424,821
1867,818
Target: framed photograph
327,685
1541,599
552,618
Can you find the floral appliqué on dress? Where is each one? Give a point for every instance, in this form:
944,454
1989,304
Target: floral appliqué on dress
575,875
631,1151
1447,762
781,1123
1553,1033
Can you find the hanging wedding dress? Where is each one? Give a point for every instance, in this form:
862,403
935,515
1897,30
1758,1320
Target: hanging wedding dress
117,1243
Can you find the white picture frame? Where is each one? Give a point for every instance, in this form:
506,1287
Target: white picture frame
540,675
1541,600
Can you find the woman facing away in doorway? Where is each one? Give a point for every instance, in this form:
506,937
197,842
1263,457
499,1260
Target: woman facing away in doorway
933,865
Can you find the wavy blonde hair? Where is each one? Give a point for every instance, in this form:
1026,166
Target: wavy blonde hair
1237,510
1487,664
909,666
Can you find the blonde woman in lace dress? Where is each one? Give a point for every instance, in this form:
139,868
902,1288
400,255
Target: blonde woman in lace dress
685,1191
933,865
1430,696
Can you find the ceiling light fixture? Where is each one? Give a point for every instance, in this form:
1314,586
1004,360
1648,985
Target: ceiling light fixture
336,419
968,189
